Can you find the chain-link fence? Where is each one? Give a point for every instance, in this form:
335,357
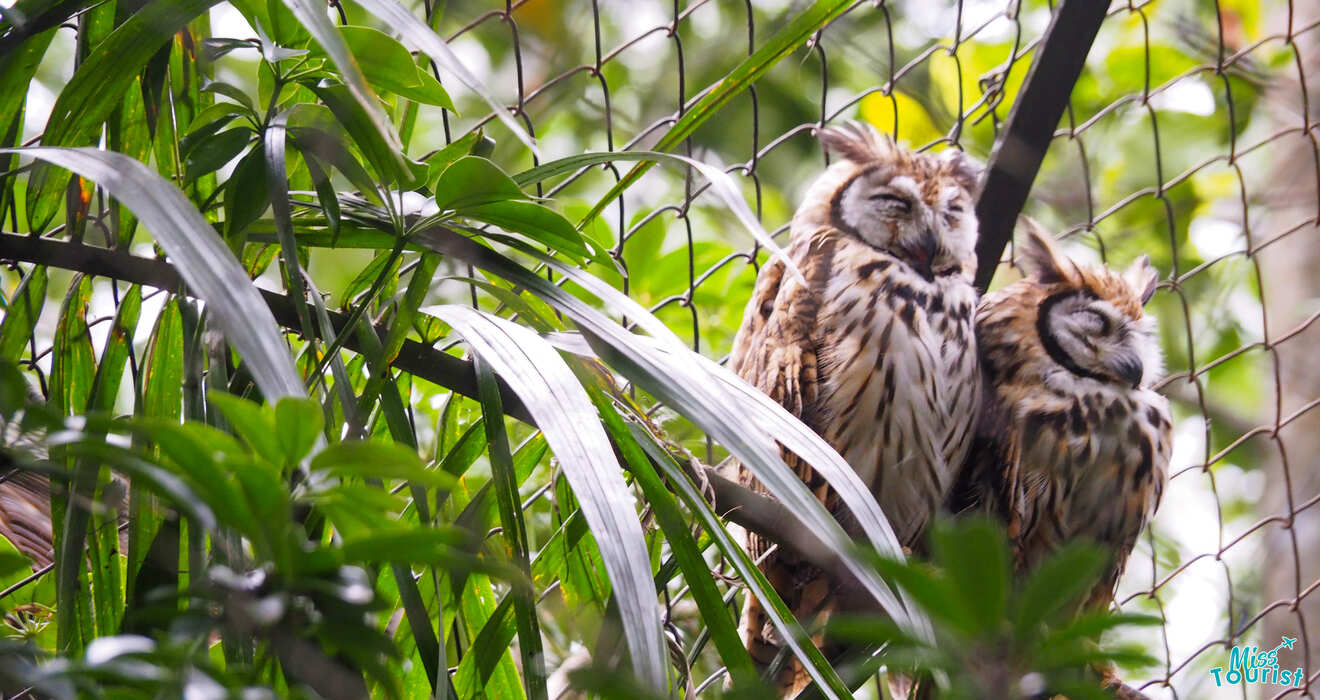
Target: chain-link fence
1190,136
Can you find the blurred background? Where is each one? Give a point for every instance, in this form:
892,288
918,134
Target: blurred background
1191,137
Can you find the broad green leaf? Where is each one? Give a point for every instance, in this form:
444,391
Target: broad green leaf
471,181
247,194
369,116
537,222
254,425
379,460
208,154
534,370
795,638
974,549
386,156
273,141
1056,583
386,64
696,573
74,366
21,313
199,255
424,545
298,424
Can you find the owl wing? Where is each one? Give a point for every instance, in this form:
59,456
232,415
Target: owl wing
988,481
775,351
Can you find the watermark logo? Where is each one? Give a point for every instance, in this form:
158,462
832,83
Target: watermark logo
1250,665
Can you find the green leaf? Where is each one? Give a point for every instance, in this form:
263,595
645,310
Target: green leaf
1057,582
514,529
209,269
537,222
471,181
439,546
386,64
298,424
976,549
795,638
369,116
118,345
209,154
22,312
420,37
386,156
256,426
379,460
247,194
74,366
536,372
696,573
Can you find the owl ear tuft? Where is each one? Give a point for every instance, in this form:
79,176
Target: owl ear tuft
1042,257
1143,277
964,168
856,141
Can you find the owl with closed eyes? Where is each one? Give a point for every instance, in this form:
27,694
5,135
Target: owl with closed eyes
1072,442
872,346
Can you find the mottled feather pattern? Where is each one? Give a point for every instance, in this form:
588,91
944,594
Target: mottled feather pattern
873,347
1067,447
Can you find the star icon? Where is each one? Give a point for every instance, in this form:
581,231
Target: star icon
1288,642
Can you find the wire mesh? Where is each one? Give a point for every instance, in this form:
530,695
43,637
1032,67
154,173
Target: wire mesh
1190,136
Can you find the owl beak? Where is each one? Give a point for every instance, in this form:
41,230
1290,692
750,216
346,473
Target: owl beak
928,248
1129,369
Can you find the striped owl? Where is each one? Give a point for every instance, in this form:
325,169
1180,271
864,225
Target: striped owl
1072,442
875,352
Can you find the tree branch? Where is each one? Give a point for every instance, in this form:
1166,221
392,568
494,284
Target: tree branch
751,510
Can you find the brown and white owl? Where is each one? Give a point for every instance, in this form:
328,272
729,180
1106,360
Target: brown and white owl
875,352
1072,442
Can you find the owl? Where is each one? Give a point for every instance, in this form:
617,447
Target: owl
1072,443
872,346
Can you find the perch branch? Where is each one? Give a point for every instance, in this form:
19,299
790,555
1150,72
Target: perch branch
738,504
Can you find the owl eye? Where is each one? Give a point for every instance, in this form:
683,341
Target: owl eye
956,208
889,200
1096,320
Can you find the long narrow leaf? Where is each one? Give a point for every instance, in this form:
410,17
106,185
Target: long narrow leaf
419,37
780,616
696,573
541,378
514,529
311,14
741,420
203,260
